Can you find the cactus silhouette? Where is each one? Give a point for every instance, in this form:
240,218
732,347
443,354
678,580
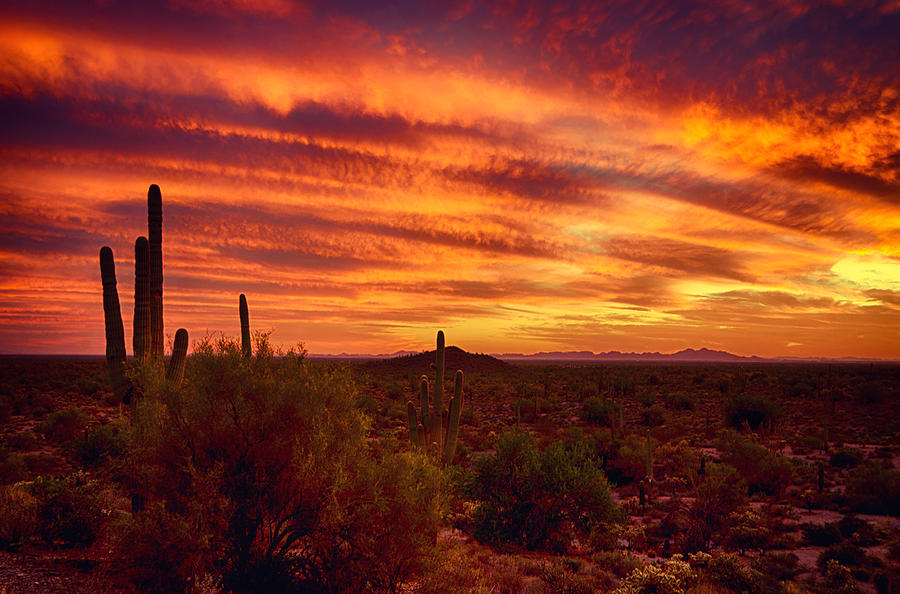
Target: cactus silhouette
141,336
428,433
154,223
246,349
115,332
175,374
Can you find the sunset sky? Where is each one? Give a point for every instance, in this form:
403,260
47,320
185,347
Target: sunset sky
638,176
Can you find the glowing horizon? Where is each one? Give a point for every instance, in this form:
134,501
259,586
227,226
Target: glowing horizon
525,177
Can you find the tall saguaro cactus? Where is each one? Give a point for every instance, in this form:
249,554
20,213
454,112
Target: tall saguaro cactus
429,434
115,331
141,336
246,348
154,223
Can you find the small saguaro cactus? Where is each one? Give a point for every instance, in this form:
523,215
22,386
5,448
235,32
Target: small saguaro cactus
428,433
246,348
175,374
115,331
141,337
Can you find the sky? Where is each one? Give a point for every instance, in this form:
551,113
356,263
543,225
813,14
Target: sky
526,176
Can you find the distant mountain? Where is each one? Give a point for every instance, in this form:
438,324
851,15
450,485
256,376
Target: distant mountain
687,356
356,356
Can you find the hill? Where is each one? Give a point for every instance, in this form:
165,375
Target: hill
454,358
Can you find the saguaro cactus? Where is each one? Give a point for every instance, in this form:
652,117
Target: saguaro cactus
175,374
246,349
115,331
141,336
429,433
154,223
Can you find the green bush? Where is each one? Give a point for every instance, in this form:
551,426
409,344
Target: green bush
267,460
599,411
23,440
874,487
630,461
12,467
721,493
653,416
764,470
846,458
540,499
821,535
69,509
680,401
64,425
752,410
103,442
18,515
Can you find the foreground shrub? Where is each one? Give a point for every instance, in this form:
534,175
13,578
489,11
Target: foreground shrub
874,487
266,459
672,577
721,493
69,509
102,443
540,499
64,425
18,515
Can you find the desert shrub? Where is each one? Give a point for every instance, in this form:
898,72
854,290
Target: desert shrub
680,401
12,467
848,555
41,463
752,410
821,535
619,562
158,551
69,508
747,530
872,391
874,487
727,570
562,576
777,566
540,499
839,579
529,409
630,461
721,492
103,442
64,425
599,411
646,398
672,577
266,458
764,470
846,458
653,416
23,440
858,530
679,460
18,515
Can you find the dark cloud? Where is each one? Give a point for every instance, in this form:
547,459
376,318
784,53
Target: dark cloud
806,168
691,258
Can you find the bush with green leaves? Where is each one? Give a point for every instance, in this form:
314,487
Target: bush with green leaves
64,425
721,493
266,459
101,444
600,411
69,508
764,470
846,458
751,410
674,576
18,515
541,499
873,487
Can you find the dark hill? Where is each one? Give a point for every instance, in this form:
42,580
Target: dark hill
454,358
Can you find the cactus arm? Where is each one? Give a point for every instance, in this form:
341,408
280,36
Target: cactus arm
246,348
141,335
453,420
175,374
154,224
115,331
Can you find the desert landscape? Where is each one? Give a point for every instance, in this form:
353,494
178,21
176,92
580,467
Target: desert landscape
508,296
